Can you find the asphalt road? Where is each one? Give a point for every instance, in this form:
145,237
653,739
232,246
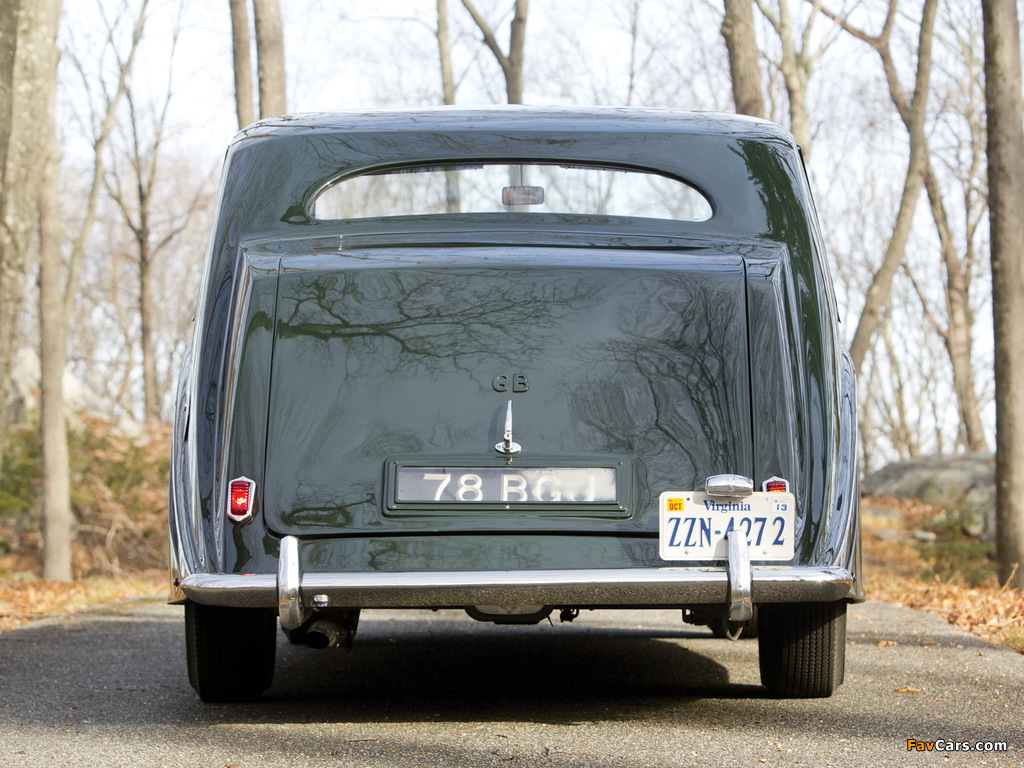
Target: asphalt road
109,688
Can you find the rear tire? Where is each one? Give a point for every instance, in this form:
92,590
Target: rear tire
230,651
802,648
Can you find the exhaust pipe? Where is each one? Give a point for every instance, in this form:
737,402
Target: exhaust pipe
324,634
333,628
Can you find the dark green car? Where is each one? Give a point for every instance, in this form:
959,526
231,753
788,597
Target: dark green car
520,362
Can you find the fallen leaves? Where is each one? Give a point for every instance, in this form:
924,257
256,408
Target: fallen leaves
991,611
22,601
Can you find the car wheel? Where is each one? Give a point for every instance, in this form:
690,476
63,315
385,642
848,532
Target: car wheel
230,651
802,648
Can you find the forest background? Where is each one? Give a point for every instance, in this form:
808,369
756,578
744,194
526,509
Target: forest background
886,97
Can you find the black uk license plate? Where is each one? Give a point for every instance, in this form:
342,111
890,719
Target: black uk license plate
507,485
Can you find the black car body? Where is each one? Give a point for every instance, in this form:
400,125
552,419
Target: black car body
514,360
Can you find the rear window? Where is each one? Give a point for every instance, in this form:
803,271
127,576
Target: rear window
496,188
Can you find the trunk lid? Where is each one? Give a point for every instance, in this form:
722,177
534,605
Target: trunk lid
391,365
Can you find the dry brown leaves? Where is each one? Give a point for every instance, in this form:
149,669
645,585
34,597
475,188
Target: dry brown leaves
893,565
994,613
22,601
119,500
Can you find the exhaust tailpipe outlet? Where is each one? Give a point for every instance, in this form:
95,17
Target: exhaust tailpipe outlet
324,634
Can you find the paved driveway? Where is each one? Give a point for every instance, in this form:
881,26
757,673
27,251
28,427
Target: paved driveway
626,688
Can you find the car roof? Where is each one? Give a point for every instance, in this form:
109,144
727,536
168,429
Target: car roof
520,118
748,169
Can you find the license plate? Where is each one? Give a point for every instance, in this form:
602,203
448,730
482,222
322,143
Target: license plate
694,526
506,485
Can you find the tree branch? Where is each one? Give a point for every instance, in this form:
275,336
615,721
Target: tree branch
489,39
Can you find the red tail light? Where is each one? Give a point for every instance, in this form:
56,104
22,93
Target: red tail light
240,499
775,485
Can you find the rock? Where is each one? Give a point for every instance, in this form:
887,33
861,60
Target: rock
79,399
23,388
133,429
890,534
964,485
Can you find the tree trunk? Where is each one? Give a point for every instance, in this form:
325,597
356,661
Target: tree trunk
516,54
796,63
28,59
512,63
270,57
1003,106
58,520
242,63
444,51
146,317
744,67
56,295
881,283
452,198
796,72
13,232
960,323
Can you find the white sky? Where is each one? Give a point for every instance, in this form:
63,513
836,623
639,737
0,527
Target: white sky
354,55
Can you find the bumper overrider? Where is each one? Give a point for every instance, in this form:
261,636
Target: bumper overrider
737,584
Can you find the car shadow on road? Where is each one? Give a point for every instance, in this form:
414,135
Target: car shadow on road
485,672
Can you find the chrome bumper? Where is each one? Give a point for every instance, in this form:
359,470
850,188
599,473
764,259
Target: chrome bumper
737,585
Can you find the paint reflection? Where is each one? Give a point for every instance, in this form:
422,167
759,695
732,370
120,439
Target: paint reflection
647,364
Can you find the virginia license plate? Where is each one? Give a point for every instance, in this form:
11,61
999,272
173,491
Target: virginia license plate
507,485
694,526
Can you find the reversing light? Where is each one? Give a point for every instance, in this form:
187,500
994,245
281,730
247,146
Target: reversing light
240,499
775,485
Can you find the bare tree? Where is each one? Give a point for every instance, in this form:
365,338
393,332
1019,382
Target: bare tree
511,63
56,297
58,519
56,473
744,55
636,66
28,60
106,118
881,283
648,73
240,56
444,50
270,57
966,169
1006,220
797,61
956,333
133,187
270,68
